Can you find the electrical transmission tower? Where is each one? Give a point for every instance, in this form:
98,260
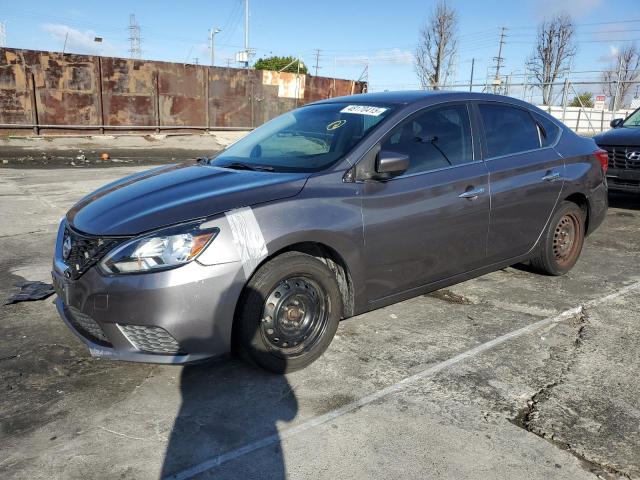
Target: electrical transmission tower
3,35
134,37
364,76
499,61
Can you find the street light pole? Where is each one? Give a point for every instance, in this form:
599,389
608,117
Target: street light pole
212,39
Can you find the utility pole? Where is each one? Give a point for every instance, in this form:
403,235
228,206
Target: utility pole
134,38
246,32
473,63
317,60
212,39
499,60
3,35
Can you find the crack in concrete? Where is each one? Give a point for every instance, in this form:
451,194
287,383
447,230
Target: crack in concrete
22,233
527,416
447,295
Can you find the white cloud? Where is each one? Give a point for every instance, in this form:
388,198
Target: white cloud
395,56
611,55
77,41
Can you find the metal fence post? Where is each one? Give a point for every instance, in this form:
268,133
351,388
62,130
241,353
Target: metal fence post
157,100
564,98
34,104
100,100
206,99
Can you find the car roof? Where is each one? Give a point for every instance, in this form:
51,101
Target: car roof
406,97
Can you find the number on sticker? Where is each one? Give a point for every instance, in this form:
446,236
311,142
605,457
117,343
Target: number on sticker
364,110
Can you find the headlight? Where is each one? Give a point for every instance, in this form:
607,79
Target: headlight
160,250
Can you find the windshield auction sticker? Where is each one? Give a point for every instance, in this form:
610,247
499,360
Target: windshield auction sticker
364,110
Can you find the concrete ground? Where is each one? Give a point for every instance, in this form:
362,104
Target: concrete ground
511,375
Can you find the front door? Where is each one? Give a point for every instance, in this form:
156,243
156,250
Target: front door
431,222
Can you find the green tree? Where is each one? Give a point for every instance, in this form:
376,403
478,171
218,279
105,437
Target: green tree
286,64
585,97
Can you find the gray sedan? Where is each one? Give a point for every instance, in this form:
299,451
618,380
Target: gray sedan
331,210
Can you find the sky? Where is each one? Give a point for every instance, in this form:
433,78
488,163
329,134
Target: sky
374,40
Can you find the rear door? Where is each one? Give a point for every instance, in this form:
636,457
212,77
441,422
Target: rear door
526,176
431,222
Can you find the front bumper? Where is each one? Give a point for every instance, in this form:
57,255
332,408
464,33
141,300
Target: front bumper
174,316
624,180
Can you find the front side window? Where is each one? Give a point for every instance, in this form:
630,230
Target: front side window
508,130
308,139
440,137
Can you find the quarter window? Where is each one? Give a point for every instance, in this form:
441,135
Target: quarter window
508,130
548,132
439,137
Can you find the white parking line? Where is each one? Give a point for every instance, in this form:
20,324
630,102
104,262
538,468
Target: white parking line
327,417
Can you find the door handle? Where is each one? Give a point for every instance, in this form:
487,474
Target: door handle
472,194
551,177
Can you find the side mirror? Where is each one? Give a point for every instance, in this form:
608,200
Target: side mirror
390,164
616,122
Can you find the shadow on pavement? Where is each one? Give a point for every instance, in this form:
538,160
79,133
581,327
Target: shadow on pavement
629,201
226,405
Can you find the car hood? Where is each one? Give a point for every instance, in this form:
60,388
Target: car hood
619,136
176,193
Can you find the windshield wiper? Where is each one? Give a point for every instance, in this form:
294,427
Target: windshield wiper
246,166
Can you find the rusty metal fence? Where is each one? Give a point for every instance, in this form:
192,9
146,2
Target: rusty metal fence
42,91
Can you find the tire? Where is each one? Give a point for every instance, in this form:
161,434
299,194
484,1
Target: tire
289,313
561,243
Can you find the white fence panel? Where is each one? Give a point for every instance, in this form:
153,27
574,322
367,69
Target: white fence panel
586,121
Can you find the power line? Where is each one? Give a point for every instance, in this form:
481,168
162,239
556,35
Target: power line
134,38
230,26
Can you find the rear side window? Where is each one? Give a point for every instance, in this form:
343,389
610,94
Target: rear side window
436,138
548,130
508,130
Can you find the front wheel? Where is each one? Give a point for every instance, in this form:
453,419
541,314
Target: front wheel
289,313
561,244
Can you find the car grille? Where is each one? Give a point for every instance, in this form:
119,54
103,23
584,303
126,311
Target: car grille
151,339
84,251
618,157
87,326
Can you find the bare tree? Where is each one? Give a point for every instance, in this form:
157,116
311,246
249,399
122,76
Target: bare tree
437,46
623,72
553,53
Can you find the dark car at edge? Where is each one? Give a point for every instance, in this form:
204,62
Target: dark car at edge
622,144
329,211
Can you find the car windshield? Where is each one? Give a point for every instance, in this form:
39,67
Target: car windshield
633,120
308,139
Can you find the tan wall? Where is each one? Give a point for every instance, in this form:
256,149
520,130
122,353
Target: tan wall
52,89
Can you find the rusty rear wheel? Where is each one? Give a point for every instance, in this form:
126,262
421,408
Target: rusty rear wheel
561,244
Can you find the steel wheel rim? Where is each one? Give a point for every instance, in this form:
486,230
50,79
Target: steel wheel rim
294,316
565,239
